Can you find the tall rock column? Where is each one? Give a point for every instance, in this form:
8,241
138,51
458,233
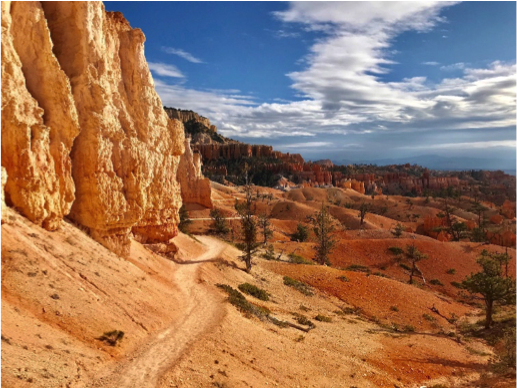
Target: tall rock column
3,181
194,187
125,160
39,118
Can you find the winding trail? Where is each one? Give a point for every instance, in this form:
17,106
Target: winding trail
200,310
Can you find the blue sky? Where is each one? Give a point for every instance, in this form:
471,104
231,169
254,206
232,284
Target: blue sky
346,81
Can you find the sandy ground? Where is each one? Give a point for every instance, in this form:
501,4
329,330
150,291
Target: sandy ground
61,291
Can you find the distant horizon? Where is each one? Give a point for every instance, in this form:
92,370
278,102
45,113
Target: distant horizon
349,80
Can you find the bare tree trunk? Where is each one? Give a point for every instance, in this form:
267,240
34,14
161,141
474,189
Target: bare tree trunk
488,319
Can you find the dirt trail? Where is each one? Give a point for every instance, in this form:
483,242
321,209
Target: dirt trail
200,311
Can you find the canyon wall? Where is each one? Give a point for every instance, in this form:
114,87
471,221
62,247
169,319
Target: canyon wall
185,116
39,118
194,187
83,129
3,181
125,158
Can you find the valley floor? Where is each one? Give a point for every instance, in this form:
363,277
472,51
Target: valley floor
61,291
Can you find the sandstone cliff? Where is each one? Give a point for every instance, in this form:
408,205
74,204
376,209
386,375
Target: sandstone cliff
194,187
4,180
125,158
185,116
39,118
78,101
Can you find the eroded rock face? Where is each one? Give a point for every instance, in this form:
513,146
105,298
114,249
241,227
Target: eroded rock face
185,116
4,180
125,159
39,118
194,187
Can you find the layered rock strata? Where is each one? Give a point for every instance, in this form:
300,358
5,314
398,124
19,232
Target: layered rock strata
78,101
185,116
126,156
194,187
39,118
2,201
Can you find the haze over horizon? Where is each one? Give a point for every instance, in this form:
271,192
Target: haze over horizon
354,81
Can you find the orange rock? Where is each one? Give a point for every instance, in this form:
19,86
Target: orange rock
39,118
443,236
194,187
496,219
4,180
125,159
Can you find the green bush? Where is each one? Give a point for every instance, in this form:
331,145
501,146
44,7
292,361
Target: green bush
301,234
322,318
303,320
451,271
299,260
428,317
269,254
112,337
435,282
254,291
395,250
405,267
394,308
238,300
409,328
359,268
457,284
298,285
343,278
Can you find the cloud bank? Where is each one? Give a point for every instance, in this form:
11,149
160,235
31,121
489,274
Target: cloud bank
342,89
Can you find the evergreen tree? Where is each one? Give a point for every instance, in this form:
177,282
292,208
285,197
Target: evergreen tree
399,229
413,255
265,224
364,208
249,246
219,223
323,227
301,234
185,221
490,283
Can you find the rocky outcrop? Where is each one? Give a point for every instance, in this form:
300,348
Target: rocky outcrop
194,187
4,208
126,156
185,116
78,101
39,118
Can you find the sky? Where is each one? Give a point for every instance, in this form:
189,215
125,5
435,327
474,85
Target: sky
348,81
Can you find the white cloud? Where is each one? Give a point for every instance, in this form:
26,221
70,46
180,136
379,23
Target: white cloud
166,70
181,53
341,89
431,63
454,66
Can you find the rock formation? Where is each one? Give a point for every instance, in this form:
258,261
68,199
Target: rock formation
194,187
126,156
4,180
39,118
82,73
185,116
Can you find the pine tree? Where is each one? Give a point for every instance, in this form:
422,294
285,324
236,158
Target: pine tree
323,227
413,255
219,223
364,208
490,283
249,246
301,234
399,229
265,223
185,221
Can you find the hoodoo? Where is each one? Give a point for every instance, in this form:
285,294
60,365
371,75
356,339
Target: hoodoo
84,132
